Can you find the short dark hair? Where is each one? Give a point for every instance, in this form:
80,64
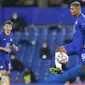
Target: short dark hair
8,22
75,3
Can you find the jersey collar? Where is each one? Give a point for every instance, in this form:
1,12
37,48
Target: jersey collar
5,34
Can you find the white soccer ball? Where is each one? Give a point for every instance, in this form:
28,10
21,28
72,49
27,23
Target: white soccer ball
61,57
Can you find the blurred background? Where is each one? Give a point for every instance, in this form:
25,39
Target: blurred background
39,27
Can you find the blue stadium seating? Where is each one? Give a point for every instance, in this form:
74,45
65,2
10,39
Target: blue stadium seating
30,54
68,33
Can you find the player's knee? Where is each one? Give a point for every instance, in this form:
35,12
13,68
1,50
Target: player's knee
84,67
3,72
58,50
61,49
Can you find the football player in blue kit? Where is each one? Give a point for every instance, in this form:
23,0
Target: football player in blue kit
78,42
6,42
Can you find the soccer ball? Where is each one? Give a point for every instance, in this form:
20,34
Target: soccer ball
61,57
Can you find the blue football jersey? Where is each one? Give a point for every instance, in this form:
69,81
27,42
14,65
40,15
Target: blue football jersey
79,33
78,41
6,42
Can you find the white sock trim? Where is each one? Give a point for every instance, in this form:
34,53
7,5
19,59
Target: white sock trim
58,65
4,80
0,75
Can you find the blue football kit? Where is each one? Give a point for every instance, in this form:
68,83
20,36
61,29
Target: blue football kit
5,42
78,41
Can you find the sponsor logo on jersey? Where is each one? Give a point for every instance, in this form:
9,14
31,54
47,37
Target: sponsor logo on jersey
4,39
7,45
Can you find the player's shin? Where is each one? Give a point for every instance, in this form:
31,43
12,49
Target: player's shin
0,79
58,65
5,80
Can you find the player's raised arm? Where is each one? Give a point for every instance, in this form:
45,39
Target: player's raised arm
5,49
1,48
15,47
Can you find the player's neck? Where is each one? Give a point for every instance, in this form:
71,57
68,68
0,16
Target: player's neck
7,33
78,14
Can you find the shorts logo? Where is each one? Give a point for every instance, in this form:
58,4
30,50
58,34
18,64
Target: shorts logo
7,45
1,66
83,56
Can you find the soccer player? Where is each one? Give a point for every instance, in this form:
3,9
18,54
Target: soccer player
6,42
78,43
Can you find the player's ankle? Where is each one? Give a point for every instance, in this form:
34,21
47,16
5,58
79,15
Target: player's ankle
0,76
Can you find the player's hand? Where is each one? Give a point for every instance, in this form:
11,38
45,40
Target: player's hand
7,50
16,48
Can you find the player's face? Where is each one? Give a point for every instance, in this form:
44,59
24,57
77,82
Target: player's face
7,28
73,10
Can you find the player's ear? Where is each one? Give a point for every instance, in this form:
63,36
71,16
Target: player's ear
3,27
11,27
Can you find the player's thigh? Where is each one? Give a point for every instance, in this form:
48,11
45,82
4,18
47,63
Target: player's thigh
70,49
7,63
2,64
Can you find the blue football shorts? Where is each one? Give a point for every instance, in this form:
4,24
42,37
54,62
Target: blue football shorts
4,64
71,49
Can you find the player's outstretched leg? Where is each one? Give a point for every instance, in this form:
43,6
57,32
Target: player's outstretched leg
58,68
0,78
4,78
61,49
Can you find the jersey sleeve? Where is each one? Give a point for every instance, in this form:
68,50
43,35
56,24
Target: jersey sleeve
1,36
12,39
82,24
82,27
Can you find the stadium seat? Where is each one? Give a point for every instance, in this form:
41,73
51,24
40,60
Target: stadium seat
29,54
